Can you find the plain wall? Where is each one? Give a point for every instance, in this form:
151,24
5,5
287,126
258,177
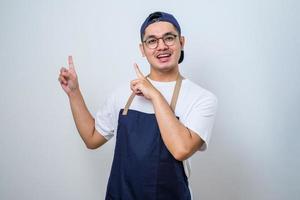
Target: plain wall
245,52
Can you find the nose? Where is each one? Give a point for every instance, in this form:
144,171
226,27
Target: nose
161,44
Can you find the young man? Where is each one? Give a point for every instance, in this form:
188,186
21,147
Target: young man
160,121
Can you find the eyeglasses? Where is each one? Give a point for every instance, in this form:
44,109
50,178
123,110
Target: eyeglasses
168,39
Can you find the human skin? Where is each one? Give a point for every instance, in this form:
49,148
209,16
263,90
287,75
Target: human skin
179,140
85,123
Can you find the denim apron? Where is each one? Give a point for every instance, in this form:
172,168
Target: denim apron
143,168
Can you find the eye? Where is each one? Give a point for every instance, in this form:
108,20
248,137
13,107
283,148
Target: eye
169,38
151,41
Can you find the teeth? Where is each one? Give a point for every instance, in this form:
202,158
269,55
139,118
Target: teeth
163,55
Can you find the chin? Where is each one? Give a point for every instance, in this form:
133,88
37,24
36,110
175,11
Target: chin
167,66
164,68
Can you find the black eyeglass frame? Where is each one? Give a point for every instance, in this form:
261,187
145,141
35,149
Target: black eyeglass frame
163,39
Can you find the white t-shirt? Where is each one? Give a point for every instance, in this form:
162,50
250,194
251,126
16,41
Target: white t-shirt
196,109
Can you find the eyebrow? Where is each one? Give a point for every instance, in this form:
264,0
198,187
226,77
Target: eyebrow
154,36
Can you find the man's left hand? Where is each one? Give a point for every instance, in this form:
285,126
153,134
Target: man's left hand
141,86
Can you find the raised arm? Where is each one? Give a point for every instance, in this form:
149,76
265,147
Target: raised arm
84,121
179,140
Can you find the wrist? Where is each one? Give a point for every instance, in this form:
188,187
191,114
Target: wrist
74,93
156,96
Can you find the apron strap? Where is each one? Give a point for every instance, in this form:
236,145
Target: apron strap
173,101
128,104
176,92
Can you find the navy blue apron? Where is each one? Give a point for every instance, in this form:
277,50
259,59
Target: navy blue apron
143,168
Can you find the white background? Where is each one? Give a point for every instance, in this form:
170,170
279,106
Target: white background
246,52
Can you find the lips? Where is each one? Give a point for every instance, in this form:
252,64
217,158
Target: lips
163,57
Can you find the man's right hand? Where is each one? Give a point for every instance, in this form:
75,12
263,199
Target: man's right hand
68,78
84,121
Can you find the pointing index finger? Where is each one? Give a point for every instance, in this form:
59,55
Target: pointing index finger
70,60
138,71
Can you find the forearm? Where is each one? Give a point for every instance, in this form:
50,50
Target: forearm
84,121
179,140
175,135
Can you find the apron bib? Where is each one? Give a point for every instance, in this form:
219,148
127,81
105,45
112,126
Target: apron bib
143,168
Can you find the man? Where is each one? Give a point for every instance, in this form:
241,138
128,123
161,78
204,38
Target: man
165,120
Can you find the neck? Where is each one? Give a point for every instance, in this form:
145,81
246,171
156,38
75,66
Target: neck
164,76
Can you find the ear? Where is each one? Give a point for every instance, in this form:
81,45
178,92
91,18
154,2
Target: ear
142,49
182,42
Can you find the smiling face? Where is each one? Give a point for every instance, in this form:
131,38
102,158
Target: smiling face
164,57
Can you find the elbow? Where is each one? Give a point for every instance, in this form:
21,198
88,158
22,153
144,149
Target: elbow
90,142
91,146
181,154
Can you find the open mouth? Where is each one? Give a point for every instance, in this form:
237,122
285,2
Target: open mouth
163,57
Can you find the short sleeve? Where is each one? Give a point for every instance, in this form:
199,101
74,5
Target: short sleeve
105,118
201,117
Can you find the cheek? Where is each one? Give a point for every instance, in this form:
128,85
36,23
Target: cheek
149,54
177,52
